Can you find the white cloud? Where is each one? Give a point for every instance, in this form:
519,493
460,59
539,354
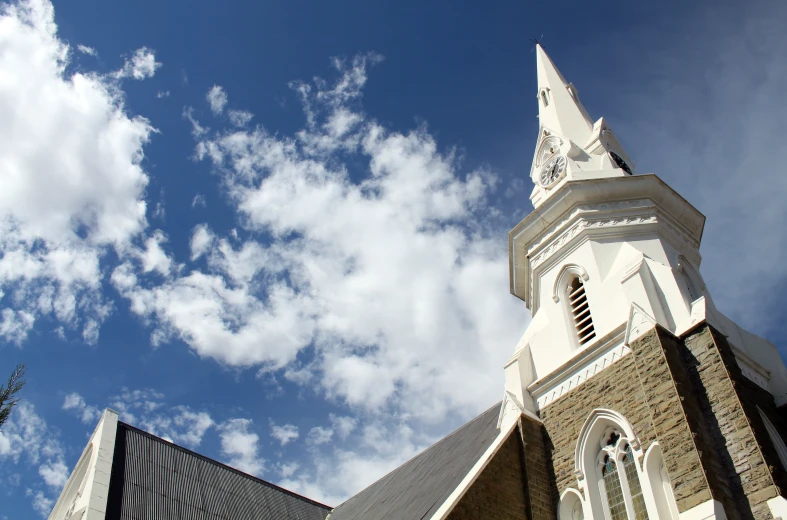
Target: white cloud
132,405
141,65
379,274
153,257
41,503
343,425
87,414
217,99
198,200
319,435
27,438
73,185
84,49
241,446
340,469
54,474
240,117
201,240
162,94
287,470
15,325
285,433
179,424
376,272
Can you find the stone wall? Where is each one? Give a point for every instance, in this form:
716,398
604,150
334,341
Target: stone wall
730,403
687,446
542,495
616,388
517,483
499,491
690,395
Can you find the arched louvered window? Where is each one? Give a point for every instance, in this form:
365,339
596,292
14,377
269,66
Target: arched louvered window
580,311
545,98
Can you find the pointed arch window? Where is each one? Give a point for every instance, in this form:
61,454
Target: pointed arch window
620,481
580,311
620,478
545,97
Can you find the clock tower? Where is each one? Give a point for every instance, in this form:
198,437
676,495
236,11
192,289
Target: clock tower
656,404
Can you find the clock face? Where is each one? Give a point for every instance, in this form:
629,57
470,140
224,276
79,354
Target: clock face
621,163
552,170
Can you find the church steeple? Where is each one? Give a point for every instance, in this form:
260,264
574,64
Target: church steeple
570,145
559,108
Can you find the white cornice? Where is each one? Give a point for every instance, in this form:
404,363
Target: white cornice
618,207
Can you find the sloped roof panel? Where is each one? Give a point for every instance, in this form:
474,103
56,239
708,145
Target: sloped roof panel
416,489
153,478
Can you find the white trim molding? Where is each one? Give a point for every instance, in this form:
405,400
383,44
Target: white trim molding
778,507
578,370
85,493
561,280
584,439
638,324
570,500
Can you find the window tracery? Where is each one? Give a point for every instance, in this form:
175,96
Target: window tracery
620,477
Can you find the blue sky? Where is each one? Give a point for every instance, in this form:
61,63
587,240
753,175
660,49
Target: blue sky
275,233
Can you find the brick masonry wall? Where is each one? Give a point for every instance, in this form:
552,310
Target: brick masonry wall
730,400
499,491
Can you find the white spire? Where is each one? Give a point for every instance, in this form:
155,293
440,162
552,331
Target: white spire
559,108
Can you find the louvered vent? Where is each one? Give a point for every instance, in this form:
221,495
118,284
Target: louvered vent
580,310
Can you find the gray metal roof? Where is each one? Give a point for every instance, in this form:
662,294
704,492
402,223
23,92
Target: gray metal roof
416,489
153,478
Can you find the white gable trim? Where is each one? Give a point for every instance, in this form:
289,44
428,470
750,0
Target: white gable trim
87,489
454,498
638,324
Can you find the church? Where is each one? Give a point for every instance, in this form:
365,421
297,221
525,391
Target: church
630,396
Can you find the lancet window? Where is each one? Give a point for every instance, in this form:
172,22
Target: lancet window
620,478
